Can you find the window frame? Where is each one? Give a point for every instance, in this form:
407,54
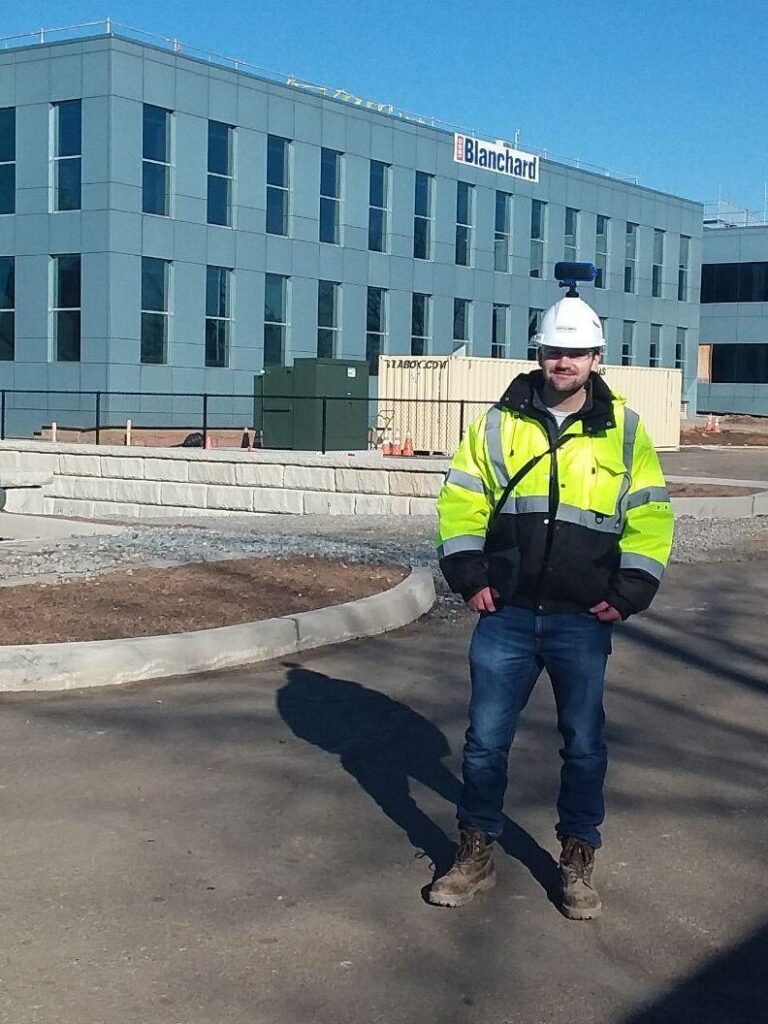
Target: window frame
537,251
329,332
331,202
279,190
534,325
376,212
11,163
601,255
8,311
221,320
60,313
655,346
683,267
463,240
60,160
423,221
657,266
630,258
421,340
152,162
283,325
465,305
375,337
499,349
628,343
502,235
571,249
152,315
214,176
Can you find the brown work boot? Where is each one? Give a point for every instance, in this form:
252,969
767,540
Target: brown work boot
473,870
578,897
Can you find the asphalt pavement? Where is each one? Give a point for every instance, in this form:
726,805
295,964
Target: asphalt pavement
245,847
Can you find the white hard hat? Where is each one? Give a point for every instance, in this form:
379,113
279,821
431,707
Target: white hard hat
570,323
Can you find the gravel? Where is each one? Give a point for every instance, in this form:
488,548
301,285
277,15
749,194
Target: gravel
369,539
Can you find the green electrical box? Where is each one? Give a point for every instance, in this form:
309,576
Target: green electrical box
315,405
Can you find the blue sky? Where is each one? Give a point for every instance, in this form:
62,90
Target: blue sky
673,92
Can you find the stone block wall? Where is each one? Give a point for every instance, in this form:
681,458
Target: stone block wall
115,482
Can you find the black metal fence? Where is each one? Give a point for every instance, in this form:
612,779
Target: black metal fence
29,411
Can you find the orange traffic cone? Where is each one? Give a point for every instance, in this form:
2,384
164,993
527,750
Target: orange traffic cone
710,427
408,445
386,448
245,440
396,449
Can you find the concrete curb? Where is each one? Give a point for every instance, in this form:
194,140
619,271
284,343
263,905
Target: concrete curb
740,507
68,666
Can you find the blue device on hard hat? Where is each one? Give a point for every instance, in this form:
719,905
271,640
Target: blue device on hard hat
568,274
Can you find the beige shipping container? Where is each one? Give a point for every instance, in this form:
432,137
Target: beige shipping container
431,399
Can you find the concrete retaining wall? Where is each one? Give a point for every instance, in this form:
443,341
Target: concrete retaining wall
92,481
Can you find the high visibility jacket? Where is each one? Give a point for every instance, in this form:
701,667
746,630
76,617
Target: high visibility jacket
591,522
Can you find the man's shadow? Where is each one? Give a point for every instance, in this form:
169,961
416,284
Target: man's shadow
383,744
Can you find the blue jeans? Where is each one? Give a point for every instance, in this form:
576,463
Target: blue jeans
509,649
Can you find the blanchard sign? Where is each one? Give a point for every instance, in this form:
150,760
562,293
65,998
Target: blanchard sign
494,156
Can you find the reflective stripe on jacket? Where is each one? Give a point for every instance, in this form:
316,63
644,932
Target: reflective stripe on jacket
591,522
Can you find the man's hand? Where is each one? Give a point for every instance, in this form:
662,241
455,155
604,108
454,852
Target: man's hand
606,612
483,600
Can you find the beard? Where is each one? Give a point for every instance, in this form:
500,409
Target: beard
566,385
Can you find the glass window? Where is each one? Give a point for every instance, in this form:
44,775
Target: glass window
67,155
628,344
376,328
534,324
502,236
220,173
741,363
682,270
630,259
464,216
327,319
217,316
499,331
680,348
7,308
330,195
275,319
155,275
654,348
7,160
156,163
658,263
278,184
570,238
66,308
422,216
734,282
602,227
420,320
462,315
538,230
378,206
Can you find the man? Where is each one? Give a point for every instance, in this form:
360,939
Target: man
554,523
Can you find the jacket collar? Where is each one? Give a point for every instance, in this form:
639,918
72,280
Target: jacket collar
596,414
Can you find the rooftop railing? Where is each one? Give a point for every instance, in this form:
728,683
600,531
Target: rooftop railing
109,27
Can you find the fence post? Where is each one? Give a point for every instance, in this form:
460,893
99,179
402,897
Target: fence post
2,415
98,417
461,420
205,419
325,420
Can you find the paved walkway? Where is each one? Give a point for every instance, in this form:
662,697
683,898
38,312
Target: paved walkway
725,463
241,848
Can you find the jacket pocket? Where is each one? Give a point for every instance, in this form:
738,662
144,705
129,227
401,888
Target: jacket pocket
504,570
610,481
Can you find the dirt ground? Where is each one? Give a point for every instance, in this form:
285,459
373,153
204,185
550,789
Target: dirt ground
731,430
149,601
709,491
